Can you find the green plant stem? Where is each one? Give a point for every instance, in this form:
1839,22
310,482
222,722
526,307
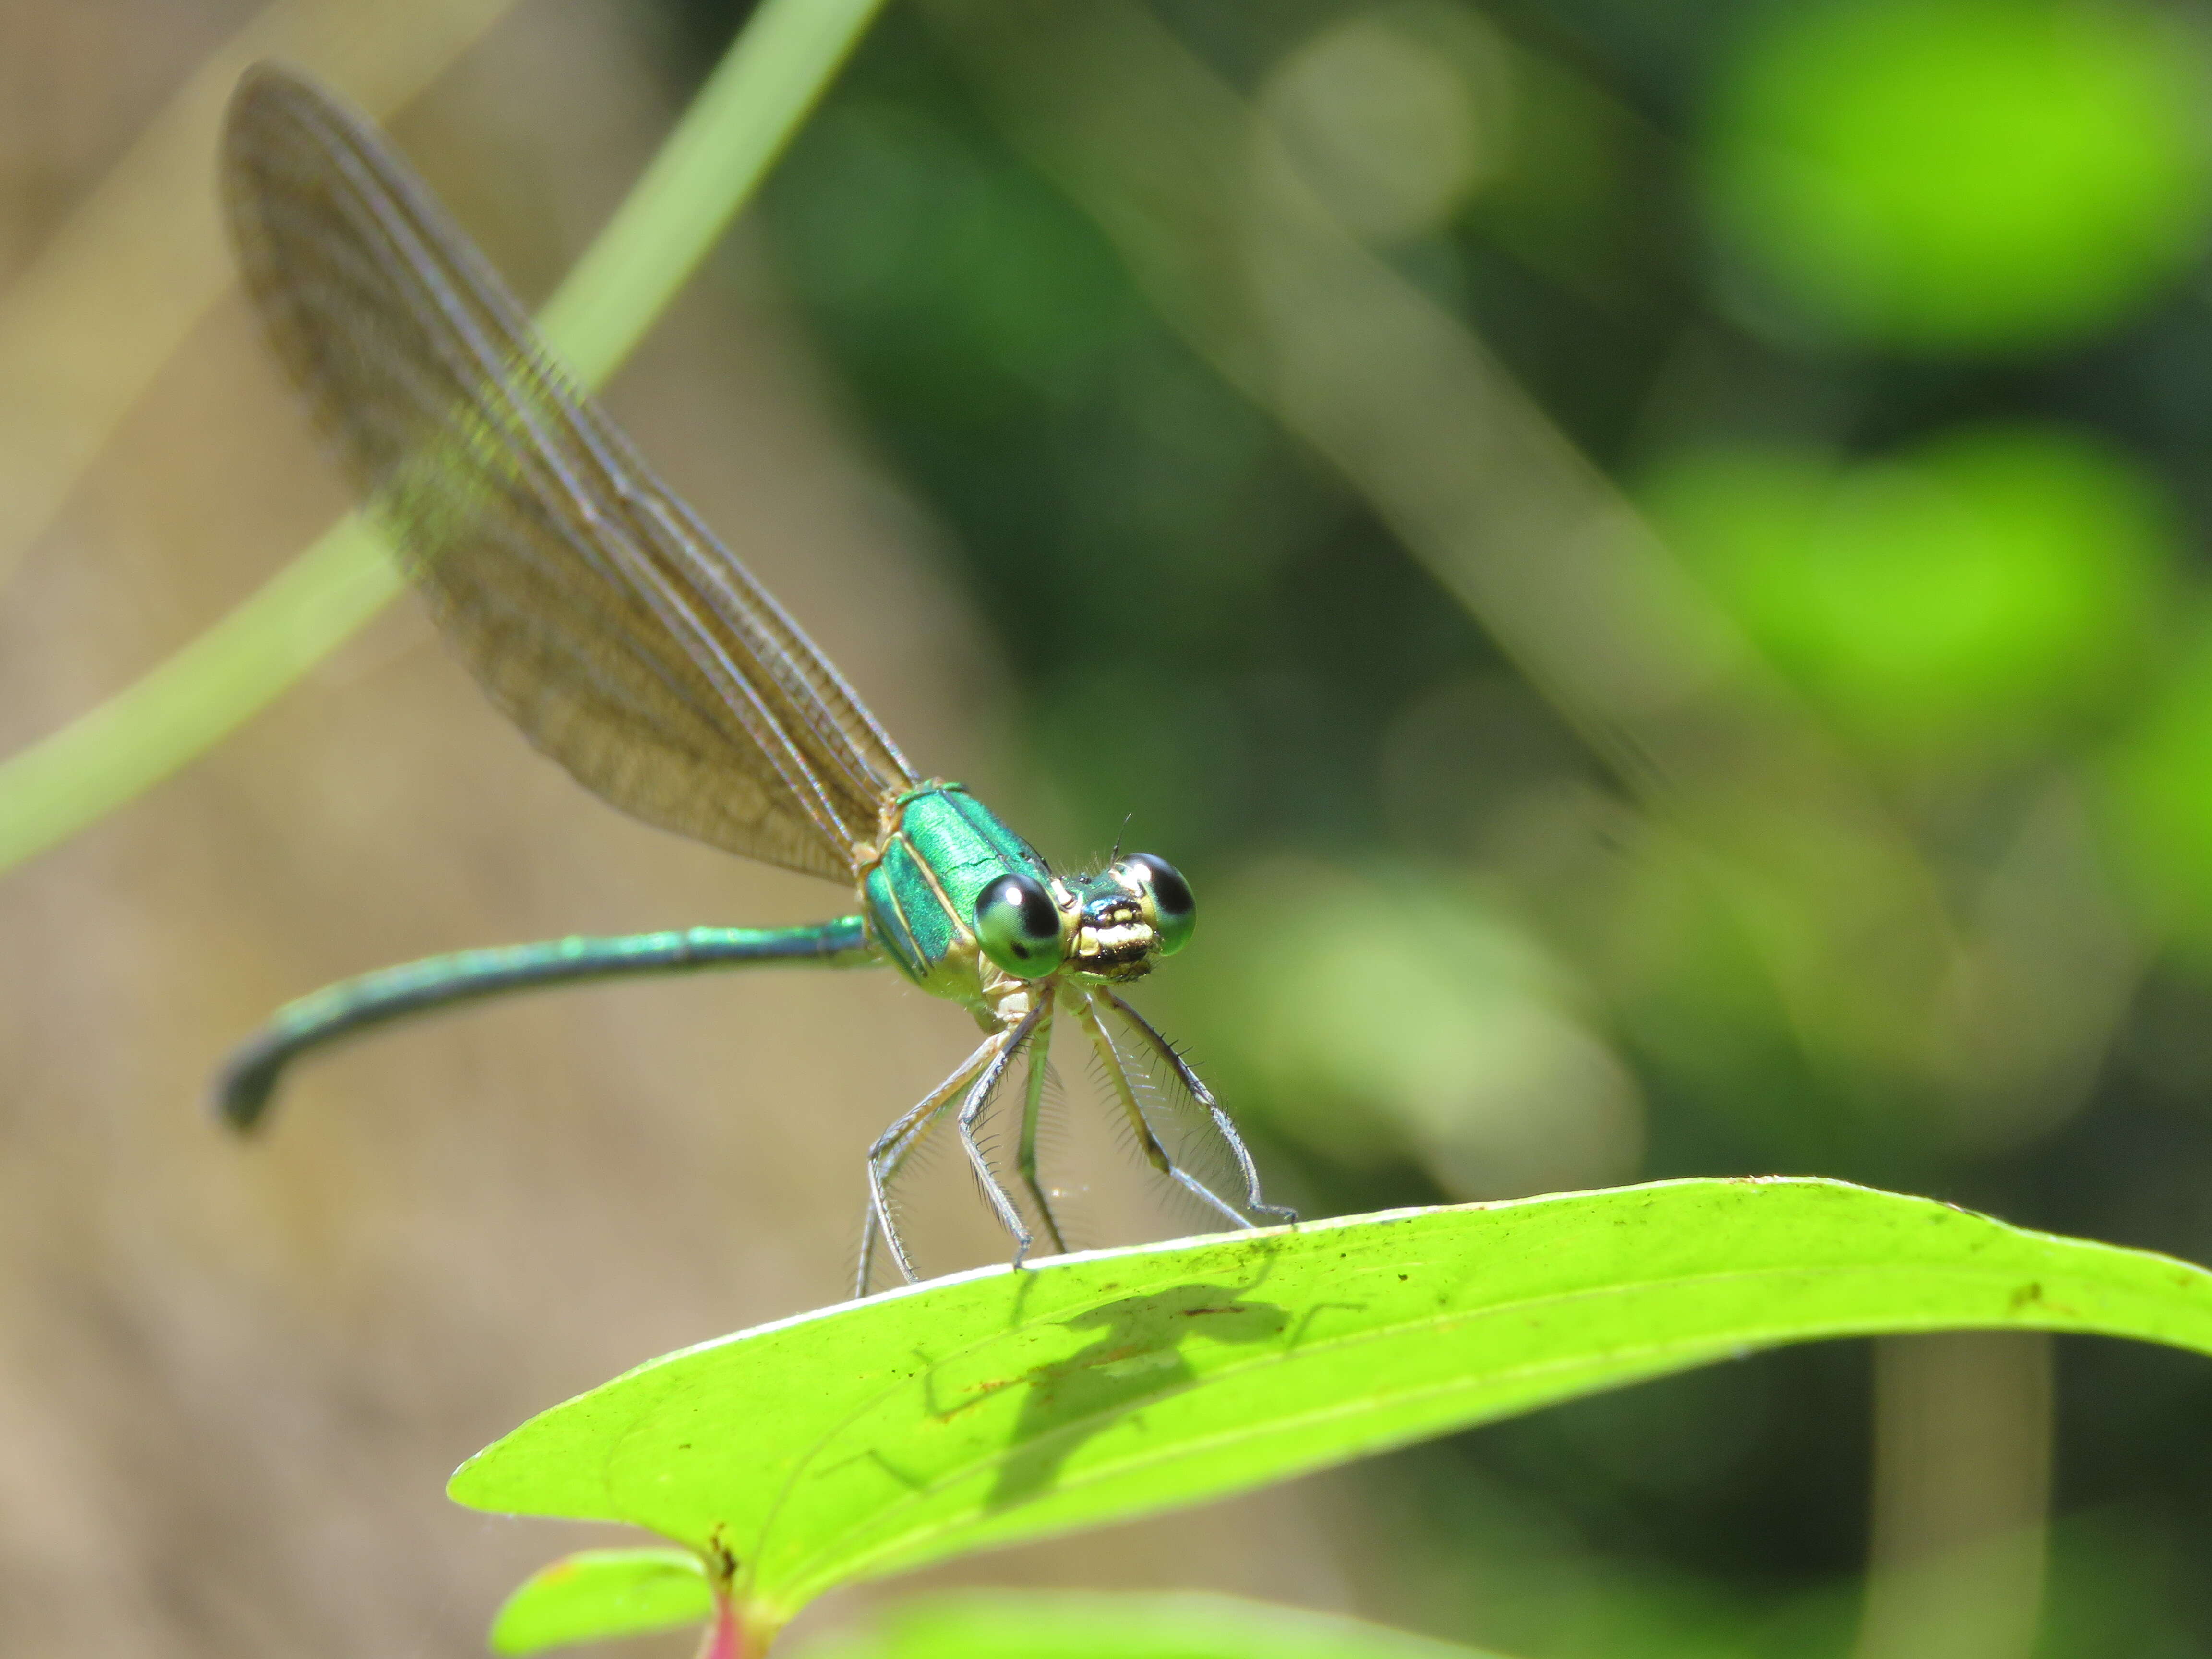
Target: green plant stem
190,701
751,107
765,86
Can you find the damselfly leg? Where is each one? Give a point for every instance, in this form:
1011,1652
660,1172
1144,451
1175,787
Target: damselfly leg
1025,1155
896,1145
1155,1153
971,1113
1224,1125
975,1083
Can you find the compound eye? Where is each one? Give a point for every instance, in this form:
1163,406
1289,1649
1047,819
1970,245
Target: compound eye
1019,926
1175,913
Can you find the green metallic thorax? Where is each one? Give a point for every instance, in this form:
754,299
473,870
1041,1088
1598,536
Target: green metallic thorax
920,894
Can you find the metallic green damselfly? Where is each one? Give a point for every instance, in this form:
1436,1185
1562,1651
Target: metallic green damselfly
629,645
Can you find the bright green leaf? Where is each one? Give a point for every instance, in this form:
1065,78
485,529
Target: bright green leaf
1085,1626
1003,1405
1976,588
595,1594
1963,174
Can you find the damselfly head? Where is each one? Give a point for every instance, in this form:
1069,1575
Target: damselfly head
1129,916
1112,926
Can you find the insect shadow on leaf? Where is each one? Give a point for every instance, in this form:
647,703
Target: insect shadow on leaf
1136,1359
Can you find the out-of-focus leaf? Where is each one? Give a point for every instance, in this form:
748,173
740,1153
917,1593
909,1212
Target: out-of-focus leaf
2159,797
1947,174
597,1593
1009,1404
1434,1026
1003,1626
1956,595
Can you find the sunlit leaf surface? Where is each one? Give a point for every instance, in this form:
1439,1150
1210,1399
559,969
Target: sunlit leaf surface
1002,1405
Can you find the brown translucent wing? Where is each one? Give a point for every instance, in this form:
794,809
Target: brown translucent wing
596,610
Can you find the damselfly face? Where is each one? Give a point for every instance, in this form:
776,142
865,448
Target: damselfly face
1110,927
1135,912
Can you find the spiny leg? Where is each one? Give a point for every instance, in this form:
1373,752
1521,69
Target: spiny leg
1117,1076
979,1096
892,1149
1025,1159
1204,1096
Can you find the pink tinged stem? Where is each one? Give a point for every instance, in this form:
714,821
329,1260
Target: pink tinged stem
734,1636
726,1636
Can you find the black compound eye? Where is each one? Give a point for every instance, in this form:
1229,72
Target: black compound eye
1175,913
1019,926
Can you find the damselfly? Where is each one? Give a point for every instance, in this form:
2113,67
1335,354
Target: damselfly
629,645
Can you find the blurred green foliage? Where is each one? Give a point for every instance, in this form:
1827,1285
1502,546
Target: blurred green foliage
1966,600
2162,800
1432,1028
1949,174
1892,316
1128,1627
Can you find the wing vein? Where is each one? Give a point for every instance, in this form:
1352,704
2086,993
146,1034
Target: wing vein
597,609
